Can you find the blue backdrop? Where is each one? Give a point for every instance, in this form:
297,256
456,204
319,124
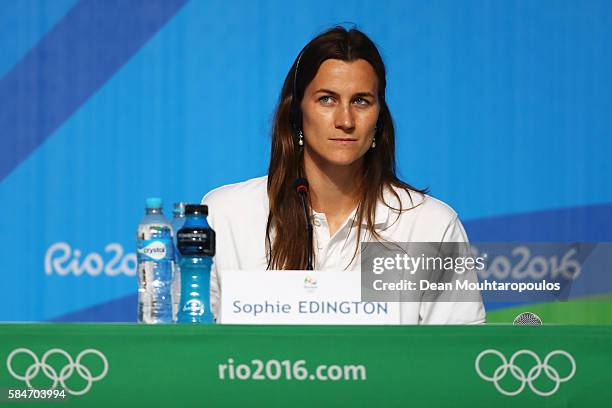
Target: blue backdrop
503,109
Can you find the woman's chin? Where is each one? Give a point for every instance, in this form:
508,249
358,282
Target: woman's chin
335,157
343,160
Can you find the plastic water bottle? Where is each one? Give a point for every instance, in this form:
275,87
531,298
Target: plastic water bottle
178,219
155,251
196,242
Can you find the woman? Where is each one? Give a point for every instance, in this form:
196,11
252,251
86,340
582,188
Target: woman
333,127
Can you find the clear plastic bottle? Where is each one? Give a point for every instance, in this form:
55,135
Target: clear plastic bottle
196,242
178,219
155,251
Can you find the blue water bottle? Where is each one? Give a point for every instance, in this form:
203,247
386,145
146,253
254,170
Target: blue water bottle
196,243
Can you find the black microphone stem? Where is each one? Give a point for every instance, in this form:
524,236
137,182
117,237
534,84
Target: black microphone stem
309,227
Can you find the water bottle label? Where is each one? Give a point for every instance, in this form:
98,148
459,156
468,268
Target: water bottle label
196,241
155,249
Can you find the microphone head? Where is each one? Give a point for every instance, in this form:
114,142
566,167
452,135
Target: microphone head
527,319
300,185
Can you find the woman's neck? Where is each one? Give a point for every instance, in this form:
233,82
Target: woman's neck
334,190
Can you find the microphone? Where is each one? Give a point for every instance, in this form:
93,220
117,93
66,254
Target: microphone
527,319
301,188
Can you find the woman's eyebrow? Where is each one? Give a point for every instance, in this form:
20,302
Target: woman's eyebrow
370,94
358,94
328,91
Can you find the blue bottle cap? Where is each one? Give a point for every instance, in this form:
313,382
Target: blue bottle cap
153,202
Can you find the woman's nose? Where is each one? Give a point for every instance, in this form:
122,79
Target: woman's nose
345,119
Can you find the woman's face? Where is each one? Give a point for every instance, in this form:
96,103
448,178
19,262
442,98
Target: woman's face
339,112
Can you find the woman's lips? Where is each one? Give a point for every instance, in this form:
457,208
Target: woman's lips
343,140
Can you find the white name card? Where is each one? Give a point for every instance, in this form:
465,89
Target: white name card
299,297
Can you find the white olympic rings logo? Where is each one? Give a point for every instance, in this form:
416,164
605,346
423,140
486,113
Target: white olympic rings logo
533,373
64,374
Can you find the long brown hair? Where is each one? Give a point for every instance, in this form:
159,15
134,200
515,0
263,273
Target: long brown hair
286,234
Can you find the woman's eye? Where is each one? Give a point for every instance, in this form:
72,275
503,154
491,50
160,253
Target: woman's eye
326,99
361,101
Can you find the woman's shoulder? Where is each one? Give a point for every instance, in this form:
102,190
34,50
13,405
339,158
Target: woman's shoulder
421,204
243,194
422,218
